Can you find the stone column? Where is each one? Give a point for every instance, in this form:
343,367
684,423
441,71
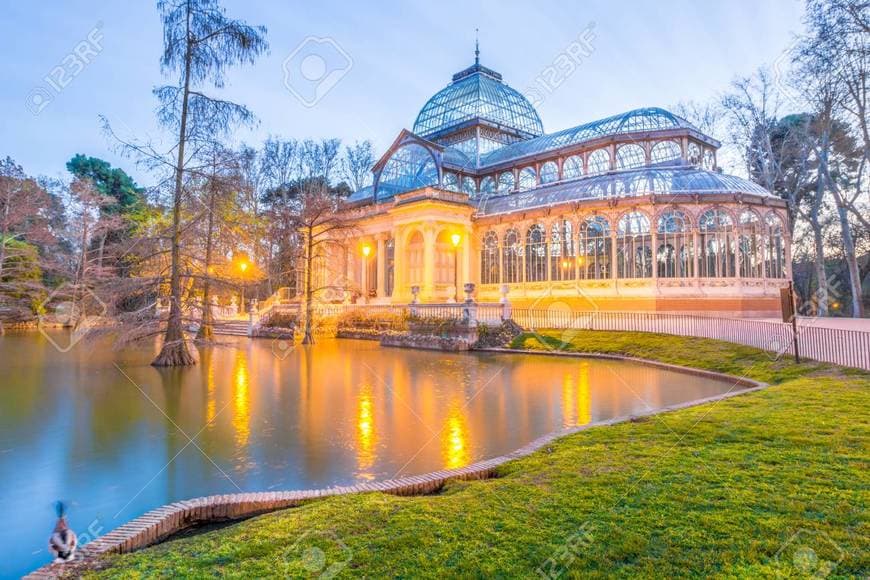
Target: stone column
399,291
468,250
428,290
380,283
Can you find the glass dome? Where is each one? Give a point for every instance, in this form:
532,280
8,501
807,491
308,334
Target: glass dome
478,93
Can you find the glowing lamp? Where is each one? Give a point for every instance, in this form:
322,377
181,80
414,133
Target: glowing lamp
366,250
455,239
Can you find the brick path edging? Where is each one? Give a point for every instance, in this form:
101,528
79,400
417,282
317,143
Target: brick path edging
158,524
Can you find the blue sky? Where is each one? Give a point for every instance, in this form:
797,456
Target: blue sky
646,53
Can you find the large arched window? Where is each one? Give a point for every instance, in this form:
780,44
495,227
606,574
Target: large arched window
489,268
750,244
665,153
506,182
536,254
445,259
716,245
598,161
415,259
633,252
549,172
562,258
410,167
528,179
468,186
593,259
774,247
450,182
572,167
630,156
674,256
512,257
487,185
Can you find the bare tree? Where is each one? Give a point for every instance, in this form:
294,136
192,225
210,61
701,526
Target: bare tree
199,44
323,228
356,165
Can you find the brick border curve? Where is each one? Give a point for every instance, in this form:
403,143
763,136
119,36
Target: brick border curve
163,522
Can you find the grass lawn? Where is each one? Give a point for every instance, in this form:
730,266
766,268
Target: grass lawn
746,487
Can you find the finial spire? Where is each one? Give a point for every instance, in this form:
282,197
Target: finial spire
476,46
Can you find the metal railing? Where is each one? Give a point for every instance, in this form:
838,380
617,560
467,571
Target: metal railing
839,346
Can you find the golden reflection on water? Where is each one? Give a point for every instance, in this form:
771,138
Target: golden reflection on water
211,389
455,443
241,399
365,431
576,400
584,399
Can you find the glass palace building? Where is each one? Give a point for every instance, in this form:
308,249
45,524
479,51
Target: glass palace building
626,213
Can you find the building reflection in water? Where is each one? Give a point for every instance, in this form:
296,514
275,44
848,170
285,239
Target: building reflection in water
365,432
576,399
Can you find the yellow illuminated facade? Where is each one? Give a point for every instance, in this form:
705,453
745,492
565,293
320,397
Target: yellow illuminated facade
630,213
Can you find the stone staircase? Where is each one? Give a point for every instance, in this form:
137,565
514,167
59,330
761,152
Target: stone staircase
231,327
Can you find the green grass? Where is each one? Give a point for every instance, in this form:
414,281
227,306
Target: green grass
716,490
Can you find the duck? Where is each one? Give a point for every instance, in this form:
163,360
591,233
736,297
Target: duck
63,541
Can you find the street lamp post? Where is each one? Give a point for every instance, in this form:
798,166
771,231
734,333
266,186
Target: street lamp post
243,268
455,239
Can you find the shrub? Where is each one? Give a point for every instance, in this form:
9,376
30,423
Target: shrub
282,320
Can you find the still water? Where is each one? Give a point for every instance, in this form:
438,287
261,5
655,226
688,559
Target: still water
116,437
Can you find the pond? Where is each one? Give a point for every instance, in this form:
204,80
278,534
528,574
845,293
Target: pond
116,437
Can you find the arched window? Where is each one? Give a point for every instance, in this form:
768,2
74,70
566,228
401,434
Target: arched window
415,259
694,154
675,252
633,252
709,160
512,257
750,244
536,254
572,167
630,156
445,259
468,186
774,247
562,258
410,167
598,161
450,182
665,153
506,182
489,269
716,245
487,185
549,172
594,247
528,179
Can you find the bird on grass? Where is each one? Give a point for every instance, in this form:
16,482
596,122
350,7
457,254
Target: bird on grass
63,542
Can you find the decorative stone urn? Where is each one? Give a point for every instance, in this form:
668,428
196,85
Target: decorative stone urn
469,291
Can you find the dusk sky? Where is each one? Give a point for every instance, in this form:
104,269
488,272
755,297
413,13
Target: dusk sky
644,54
